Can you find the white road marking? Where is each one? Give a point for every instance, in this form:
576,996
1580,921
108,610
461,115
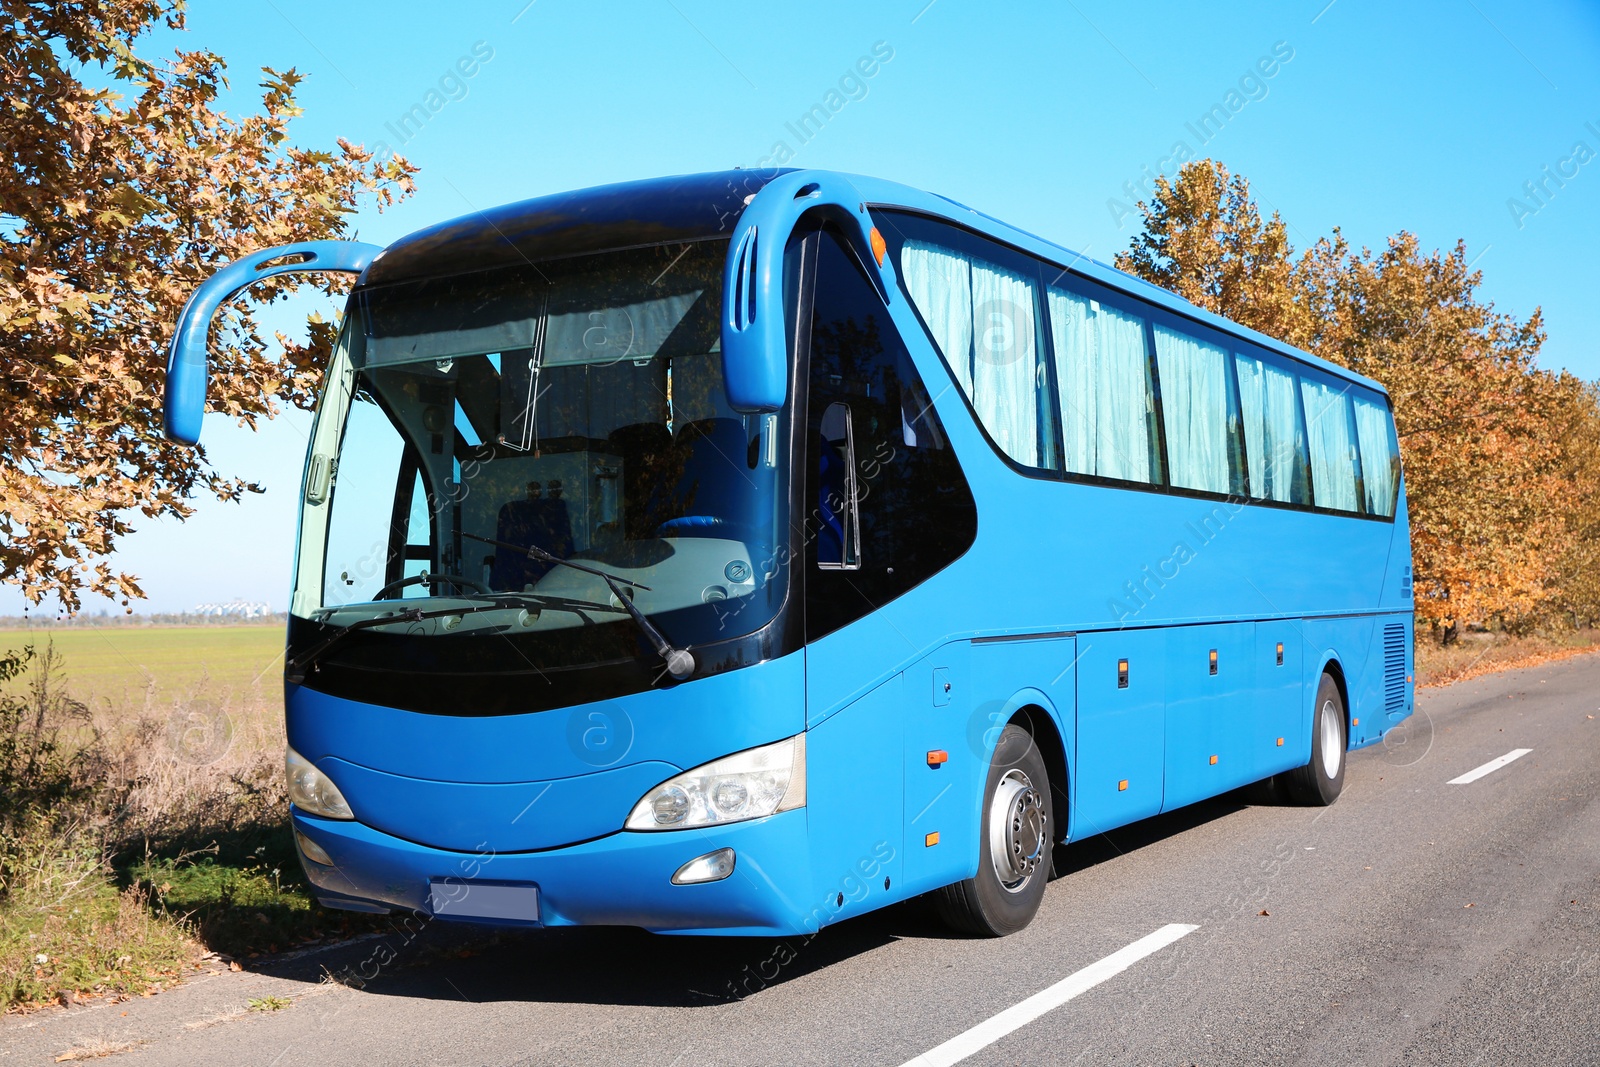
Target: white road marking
1490,767
994,1028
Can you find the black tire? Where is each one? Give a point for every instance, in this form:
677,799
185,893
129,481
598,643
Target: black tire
1314,784
985,904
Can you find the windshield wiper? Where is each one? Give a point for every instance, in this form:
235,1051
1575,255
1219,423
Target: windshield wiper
296,668
680,661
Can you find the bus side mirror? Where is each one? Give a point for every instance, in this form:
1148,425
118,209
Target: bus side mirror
755,349
187,366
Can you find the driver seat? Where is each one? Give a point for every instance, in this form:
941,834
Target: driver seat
541,521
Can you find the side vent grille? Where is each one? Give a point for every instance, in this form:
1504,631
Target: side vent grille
1394,666
742,309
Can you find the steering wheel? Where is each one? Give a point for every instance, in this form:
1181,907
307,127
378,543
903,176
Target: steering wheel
430,580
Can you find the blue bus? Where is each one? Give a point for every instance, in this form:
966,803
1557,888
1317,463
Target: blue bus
741,552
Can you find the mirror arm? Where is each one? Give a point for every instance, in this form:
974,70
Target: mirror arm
187,365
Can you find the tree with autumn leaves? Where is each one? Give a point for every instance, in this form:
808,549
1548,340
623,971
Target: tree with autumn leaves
122,187
1502,458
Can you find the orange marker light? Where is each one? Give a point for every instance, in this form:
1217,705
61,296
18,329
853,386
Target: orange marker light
931,840
937,756
879,246
1213,761
1280,742
1355,722
1122,786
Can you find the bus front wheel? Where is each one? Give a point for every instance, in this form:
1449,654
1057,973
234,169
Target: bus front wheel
1014,844
1319,782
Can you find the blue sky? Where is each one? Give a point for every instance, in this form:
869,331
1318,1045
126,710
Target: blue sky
1429,117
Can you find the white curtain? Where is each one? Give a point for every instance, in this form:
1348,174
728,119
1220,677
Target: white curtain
1194,403
940,284
1005,368
1380,463
981,316
1271,429
1103,373
1333,454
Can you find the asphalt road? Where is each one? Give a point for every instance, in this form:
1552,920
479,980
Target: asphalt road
1414,922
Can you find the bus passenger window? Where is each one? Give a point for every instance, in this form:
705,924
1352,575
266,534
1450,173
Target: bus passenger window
1201,413
1275,443
1108,420
979,303
1380,456
1333,448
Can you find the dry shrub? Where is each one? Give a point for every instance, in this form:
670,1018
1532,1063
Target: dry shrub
142,772
48,745
200,764
80,787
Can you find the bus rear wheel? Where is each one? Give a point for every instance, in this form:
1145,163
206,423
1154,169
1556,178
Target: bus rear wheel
1320,781
1014,844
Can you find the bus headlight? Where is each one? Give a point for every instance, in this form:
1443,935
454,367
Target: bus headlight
312,791
746,785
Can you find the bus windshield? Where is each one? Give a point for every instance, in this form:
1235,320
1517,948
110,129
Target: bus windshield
477,429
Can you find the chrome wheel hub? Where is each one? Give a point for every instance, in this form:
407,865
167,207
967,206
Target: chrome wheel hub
1332,742
1018,837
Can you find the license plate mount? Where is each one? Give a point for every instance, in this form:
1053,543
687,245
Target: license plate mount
484,901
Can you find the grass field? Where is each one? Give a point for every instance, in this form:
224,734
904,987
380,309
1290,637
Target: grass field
130,666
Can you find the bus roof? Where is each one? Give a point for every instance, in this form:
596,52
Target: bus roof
700,206
684,207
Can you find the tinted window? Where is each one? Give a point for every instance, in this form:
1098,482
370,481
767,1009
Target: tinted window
1108,408
1274,433
1330,427
979,303
916,513
1200,410
1380,456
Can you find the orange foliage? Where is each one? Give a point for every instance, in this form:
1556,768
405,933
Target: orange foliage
113,208
1502,459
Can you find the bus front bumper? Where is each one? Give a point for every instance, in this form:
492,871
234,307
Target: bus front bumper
624,879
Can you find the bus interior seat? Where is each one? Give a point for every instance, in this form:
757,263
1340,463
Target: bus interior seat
536,520
706,501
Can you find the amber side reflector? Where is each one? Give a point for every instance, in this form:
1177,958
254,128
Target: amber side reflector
1213,761
1280,653
931,840
1122,674
937,756
879,246
1355,722
1280,742
1122,785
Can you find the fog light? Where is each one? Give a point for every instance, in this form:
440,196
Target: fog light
712,867
313,851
